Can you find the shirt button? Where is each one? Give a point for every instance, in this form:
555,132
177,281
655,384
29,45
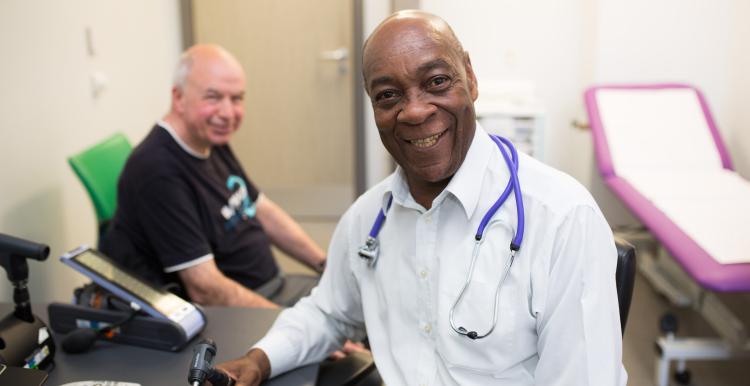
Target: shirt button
423,274
428,219
427,328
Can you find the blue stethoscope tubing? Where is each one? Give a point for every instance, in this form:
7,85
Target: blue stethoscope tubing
370,251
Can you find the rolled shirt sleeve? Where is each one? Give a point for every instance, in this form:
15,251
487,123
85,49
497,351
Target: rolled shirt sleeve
320,323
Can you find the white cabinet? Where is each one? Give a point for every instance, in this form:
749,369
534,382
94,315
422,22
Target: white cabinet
519,119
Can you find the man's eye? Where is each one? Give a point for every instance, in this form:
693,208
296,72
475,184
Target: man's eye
238,99
212,97
385,96
439,82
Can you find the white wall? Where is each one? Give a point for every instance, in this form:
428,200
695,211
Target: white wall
562,47
47,112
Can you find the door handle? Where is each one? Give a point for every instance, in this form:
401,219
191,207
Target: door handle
339,55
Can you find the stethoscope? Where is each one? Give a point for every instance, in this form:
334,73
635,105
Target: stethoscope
370,251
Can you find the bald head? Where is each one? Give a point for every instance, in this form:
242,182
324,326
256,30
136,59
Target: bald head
201,54
413,25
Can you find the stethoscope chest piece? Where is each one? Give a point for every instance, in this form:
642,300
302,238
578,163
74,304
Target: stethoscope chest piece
370,251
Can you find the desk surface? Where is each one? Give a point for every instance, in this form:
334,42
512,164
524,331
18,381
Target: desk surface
233,329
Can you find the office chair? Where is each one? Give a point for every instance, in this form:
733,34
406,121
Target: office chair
98,168
624,278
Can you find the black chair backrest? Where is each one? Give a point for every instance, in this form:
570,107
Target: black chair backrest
625,278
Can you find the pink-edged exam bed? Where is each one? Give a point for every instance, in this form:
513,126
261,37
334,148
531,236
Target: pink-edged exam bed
659,150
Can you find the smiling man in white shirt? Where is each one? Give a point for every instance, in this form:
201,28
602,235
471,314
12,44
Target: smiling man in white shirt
558,319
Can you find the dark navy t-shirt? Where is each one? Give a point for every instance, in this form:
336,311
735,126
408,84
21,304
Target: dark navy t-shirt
174,208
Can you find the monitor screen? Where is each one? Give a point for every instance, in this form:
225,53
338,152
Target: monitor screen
163,301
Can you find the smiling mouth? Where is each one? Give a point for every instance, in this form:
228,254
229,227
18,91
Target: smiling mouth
426,142
222,128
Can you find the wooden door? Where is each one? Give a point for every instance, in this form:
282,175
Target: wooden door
297,141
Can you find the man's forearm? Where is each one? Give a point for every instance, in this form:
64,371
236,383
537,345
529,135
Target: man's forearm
235,294
303,249
289,236
220,290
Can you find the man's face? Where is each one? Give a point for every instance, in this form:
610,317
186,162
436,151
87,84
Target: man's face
422,94
211,102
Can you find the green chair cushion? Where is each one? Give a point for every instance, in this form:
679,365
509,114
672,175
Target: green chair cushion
99,168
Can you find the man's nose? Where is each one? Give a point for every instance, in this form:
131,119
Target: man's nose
225,108
416,110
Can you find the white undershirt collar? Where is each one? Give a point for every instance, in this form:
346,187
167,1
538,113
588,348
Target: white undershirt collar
180,142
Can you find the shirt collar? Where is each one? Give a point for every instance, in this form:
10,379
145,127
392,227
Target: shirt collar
179,140
399,189
466,184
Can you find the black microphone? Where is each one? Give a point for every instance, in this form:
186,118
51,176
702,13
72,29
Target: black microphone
201,368
82,339
23,248
13,255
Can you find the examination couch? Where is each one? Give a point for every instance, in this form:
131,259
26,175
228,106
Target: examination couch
658,149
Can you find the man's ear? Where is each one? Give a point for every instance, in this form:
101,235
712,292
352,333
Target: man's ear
177,97
471,78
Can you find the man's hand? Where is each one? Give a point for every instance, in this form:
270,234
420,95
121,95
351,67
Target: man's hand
349,347
248,370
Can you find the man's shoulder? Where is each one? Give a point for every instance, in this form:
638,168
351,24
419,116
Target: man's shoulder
154,157
158,145
553,188
369,202
153,143
375,194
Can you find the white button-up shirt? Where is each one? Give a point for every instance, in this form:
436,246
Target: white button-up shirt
558,318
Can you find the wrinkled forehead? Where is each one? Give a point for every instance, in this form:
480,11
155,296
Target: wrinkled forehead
406,48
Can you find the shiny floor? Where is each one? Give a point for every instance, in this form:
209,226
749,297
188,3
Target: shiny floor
642,329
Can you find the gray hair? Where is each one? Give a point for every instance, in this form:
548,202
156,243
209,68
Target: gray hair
183,70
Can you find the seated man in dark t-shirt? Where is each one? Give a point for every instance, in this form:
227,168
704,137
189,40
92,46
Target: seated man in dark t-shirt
186,211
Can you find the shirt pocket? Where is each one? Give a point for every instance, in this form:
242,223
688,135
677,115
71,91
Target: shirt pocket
499,353
490,355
